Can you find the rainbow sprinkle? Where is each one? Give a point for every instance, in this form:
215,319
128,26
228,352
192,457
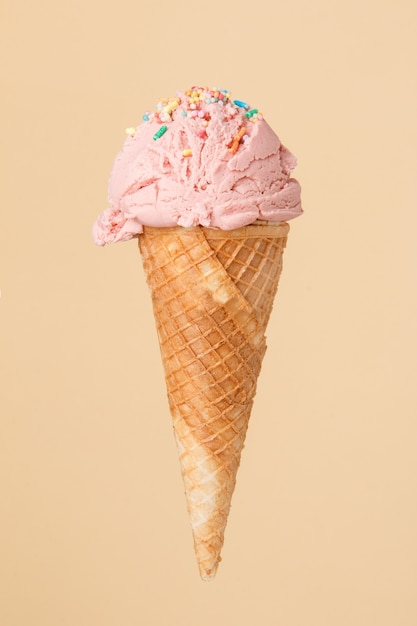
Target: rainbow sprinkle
196,104
160,132
236,140
241,104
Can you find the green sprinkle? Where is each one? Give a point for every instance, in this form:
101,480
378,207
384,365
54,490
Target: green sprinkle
251,113
160,132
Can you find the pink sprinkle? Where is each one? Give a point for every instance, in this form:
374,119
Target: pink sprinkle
202,133
201,113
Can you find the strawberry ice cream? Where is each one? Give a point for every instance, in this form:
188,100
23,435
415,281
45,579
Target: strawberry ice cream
201,158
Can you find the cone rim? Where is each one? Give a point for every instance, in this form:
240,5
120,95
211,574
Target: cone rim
257,229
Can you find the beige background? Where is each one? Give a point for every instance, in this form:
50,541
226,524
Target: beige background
94,529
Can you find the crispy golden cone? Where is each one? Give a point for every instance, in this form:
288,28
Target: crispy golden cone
212,294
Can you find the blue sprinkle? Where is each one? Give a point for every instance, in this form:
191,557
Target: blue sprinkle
145,118
241,104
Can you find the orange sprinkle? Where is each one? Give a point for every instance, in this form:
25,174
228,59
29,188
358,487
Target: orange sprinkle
236,140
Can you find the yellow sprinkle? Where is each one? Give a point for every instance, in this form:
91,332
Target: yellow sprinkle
171,106
130,131
187,152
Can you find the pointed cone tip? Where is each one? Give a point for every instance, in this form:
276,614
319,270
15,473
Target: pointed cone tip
209,575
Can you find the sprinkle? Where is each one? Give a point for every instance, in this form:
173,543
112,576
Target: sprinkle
241,104
251,113
202,133
187,152
171,106
145,117
160,132
184,113
236,140
164,117
130,131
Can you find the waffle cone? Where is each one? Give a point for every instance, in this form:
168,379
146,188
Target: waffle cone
212,294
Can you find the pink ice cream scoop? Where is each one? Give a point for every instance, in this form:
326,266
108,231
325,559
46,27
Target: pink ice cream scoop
199,158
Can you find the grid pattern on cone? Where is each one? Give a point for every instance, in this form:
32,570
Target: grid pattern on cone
212,344
254,265
212,347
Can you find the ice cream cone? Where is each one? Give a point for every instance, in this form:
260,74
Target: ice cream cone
212,293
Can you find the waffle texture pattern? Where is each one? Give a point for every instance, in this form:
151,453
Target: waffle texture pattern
212,294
